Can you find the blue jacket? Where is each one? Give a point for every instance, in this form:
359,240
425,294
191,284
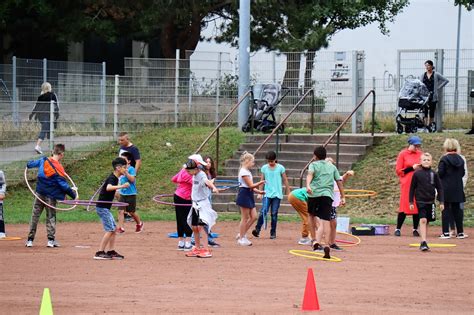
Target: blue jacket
51,179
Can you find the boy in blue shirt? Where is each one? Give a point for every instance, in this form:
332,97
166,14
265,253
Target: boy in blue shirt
129,195
274,176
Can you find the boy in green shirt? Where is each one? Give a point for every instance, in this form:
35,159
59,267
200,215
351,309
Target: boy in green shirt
320,188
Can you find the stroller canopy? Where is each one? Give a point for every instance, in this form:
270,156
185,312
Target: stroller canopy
268,93
414,91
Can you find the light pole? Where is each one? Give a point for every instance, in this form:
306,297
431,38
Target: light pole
244,59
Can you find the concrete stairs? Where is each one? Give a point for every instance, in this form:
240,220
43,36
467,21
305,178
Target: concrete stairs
294,151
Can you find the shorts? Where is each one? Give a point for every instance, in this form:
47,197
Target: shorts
427,211
245,198
195,220
108,221
131,200
320,207
333,213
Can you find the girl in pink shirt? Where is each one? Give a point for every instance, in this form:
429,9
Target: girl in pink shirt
182,196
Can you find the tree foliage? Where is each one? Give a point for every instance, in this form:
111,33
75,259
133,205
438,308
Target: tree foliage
468,4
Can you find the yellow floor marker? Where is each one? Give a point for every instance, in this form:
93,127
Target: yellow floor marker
46,305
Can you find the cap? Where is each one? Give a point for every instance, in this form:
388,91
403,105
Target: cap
414,140
198,159
190,164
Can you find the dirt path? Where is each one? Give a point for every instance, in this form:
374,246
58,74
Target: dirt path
383,274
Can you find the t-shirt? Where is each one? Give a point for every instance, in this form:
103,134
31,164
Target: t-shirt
244,172
337,196
200,191
132,189
300,194
105,195
134,151
324,175
273,180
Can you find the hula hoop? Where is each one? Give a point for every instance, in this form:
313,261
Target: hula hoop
313,255
44,202
95,194
10,238
348,243
93,202
362,193
158,198
435,245
234,182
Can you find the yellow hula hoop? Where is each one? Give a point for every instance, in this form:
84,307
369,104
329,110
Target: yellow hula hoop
44,202
313,255
435,245
10,238
358,240
362,193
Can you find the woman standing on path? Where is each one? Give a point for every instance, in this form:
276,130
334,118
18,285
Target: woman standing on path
408,161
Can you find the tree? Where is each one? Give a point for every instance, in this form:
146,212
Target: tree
469,4
298,25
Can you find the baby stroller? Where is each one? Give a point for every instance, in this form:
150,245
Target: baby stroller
412,107
266,98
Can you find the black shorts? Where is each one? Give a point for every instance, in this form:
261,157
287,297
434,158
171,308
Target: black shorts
430,109
131,200
427,211
195,220
320,207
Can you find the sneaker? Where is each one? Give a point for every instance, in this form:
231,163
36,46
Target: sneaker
188,246
52,243
304,241
38,149
29,244
415,233
317,247
213,243
101,255
115,255
139,228
444,236
462,236
120,230
326,253
273,236
244,242
256,233
424,247
397,232
205,253
3,235
181,245
194,252
335,247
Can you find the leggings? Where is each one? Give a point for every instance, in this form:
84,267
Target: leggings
182,217
2,220
452,212
401,219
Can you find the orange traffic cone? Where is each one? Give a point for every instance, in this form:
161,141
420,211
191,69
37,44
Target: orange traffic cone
310,299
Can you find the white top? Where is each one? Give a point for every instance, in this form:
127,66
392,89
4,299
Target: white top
244,172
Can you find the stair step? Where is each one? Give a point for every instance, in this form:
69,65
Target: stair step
313,139
304,147
343,167
288,164
301,156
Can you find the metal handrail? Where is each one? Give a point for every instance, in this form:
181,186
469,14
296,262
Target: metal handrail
338,130
283,121
216,130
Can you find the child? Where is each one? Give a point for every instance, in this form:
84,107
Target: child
320,188
274,175
107,193
210,170
424,185
3,190
298,199
129,195
201,217
245,199
335,204
182,197
50,187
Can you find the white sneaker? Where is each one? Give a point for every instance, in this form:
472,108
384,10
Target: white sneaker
3,235
52,244
304,241
444,236
462,236
180,245
188,246
29,244
244,242
38,149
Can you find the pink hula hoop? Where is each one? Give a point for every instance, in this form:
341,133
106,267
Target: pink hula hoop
158,198
44,202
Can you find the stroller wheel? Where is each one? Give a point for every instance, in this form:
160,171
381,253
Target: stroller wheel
399,128
432,127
